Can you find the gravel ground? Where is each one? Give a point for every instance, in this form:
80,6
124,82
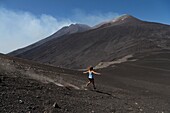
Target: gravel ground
23,89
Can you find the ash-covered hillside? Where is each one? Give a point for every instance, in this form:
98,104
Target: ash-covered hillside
107,42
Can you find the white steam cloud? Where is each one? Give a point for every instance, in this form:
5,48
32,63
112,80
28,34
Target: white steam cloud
19,29
93,18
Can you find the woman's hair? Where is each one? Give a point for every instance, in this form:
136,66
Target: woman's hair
90,68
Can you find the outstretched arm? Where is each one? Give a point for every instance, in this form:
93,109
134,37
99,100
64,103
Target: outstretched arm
96,73
85,72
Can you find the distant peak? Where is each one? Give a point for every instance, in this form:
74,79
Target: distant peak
119,20
124,18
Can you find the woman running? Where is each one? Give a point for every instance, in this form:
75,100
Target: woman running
91,73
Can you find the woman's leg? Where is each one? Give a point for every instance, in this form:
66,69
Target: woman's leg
93,84
88,83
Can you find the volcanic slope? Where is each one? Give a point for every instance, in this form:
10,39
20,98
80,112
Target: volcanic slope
73,28
27,86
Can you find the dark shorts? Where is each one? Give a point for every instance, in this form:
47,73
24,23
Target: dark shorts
91,79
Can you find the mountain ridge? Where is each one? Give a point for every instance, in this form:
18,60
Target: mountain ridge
118,20
66,30
102,44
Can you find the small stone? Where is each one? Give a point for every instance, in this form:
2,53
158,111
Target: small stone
29,107
141,109
66,110
37,96
55,105
34,108
21,102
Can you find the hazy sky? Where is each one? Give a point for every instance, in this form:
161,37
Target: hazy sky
23,22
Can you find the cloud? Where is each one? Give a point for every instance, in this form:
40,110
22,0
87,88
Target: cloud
19,29
92,18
